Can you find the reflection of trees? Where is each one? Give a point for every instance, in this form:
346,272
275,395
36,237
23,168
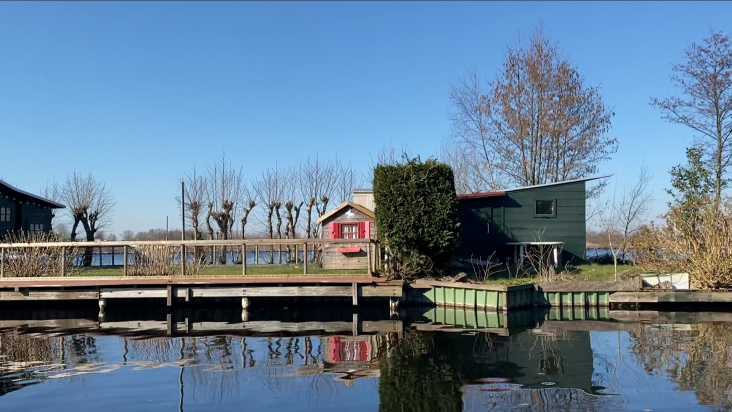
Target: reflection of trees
697,359
415,376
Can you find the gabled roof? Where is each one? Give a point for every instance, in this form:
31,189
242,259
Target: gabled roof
47,202
345,204
503,192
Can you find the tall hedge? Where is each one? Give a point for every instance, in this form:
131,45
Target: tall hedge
416,211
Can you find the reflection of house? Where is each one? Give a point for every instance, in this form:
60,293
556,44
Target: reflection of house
349,220
21,210
507,221
352,357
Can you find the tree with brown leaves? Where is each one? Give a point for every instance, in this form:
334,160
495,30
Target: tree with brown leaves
537,122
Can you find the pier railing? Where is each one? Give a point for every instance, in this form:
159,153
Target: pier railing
178,258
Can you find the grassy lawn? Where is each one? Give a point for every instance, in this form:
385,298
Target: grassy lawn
236,270
588,272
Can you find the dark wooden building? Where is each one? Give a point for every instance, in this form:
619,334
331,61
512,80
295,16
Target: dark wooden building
20,210
509,221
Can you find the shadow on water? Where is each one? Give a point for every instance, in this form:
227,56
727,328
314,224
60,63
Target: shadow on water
427,359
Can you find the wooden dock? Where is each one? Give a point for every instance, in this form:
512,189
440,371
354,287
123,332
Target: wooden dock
179,290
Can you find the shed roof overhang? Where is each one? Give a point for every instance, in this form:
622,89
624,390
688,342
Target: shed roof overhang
45,202
480,195
343,205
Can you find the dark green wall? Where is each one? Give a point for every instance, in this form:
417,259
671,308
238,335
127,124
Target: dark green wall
24,214
511,218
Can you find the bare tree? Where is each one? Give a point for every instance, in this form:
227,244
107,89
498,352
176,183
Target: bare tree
623,217
705,82
90,203
245,217
128,235
225,189
52,191
196,195
318,183
347,179
537,122
468,149
268,190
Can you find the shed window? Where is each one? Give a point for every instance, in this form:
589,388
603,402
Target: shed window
349,231
545,208
4,214
35,227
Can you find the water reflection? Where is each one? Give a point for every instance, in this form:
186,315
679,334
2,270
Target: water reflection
336,358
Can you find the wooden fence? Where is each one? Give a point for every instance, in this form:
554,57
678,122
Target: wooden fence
188,257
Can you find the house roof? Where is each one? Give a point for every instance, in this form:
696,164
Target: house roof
345,204
50,203
478,195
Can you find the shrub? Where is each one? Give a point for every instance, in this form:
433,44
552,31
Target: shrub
416,213
691,241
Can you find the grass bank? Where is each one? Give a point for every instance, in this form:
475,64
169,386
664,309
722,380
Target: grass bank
588,272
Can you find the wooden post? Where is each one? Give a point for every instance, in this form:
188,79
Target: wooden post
112,255
182,260
2,262
124,263
256,254
305,258
296,255
244,259
354,287
170,295
63,261
368,258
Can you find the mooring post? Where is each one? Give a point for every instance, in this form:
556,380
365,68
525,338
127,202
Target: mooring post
170,295
393,305
124,263
305,259
102,305
63,261
244,259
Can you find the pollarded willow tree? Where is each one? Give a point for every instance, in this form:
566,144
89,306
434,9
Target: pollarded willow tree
705,104
90,203
536,122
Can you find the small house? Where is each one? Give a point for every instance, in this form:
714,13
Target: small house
349,220
20,210
505,224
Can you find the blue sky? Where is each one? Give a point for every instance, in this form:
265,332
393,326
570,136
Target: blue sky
138,93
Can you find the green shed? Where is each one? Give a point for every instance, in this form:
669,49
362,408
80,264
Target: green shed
504,222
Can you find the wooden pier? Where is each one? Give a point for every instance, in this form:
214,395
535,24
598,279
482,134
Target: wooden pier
177,291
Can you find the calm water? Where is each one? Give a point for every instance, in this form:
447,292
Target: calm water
308,360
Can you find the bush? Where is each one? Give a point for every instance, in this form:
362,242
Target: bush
692,240
416,213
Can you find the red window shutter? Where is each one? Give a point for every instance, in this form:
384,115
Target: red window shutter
362,230
335,232
367,231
